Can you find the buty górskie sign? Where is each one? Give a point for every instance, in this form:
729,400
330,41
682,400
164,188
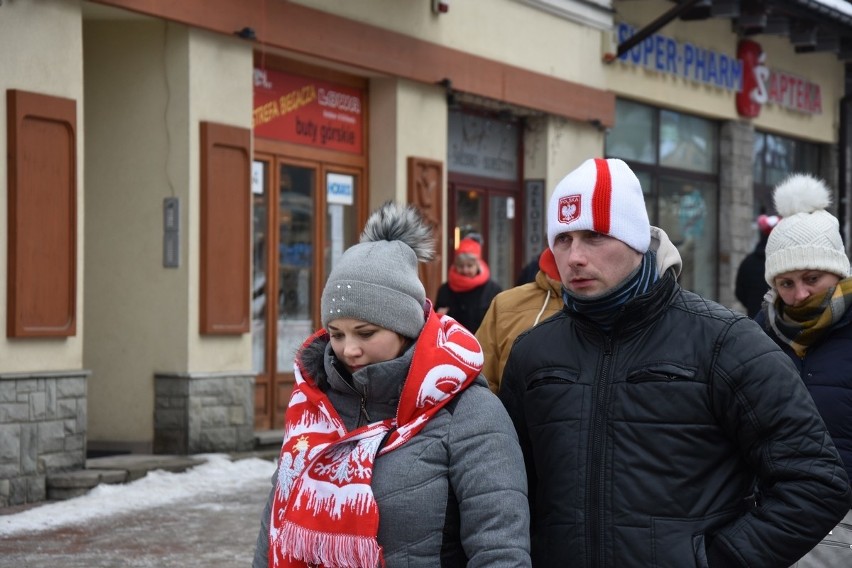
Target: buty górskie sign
307,111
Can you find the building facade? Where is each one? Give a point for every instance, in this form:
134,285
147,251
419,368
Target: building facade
182,176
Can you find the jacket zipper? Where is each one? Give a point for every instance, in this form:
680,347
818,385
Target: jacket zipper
363,414
596,483
362,407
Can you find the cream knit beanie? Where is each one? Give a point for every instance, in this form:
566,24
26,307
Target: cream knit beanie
807,237
602,196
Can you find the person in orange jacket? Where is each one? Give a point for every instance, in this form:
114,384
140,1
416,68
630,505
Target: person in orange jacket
515,310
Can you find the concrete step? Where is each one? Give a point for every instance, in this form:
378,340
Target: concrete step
124,468
268,439
113,469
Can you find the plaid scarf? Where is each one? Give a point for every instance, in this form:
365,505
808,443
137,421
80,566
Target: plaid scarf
804,325
324,512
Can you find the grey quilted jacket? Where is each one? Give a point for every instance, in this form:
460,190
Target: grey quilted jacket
455,494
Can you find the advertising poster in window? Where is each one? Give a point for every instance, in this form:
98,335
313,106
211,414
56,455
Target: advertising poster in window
307,111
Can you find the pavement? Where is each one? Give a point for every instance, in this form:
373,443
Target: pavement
212,530
124,468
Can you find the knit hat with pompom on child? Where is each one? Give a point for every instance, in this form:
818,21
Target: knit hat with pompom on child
377,280
807,237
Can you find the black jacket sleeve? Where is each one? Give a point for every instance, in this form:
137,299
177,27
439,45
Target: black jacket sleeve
762,404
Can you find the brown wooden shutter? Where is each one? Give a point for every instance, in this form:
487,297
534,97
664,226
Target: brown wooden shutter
426,190
42,215
225,228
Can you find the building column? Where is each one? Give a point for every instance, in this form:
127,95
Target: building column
736,204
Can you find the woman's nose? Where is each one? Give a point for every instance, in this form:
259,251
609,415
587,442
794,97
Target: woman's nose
802,293
351,349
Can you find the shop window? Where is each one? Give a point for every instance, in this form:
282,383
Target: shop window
776,157
675,157
42,215
687,142
634,138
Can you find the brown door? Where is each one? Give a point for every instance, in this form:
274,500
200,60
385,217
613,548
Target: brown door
294,249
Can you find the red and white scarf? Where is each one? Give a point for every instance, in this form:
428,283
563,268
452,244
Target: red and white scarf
324,512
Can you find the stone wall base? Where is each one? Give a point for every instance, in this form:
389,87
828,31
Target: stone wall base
42,431
203,413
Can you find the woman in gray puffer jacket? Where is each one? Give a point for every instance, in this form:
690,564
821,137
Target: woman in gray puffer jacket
395,451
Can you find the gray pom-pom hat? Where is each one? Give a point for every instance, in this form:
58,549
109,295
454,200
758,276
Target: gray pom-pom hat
377,280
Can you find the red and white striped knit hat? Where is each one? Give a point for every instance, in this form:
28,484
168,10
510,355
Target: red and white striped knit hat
602,196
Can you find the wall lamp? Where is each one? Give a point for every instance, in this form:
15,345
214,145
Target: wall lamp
596,122
245,33
452,101
440,6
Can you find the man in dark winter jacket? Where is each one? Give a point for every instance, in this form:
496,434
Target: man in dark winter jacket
658,427
751,285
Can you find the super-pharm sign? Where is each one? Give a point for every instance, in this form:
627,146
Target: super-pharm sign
747,74
307,111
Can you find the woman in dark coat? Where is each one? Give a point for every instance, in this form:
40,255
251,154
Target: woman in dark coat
468,291
809,314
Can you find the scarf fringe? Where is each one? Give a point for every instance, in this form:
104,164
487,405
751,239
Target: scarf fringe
331,550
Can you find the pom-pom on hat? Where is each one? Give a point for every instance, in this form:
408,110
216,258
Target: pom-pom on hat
377,280
807,237
602,196
765,223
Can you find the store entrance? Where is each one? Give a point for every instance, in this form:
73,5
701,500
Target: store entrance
306,214
487,210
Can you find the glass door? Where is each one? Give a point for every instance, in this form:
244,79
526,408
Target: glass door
294,249
489,215
260,332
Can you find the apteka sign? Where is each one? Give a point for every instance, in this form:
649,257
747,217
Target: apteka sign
762,85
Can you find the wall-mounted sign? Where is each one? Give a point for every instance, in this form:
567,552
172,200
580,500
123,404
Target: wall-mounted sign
307,111
747,74
534,241
482,146
340,189
683,59
762,85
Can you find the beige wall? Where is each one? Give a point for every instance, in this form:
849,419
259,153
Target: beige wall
383,118
148,84
637,83
407,119
554,146
503,30
220,90
137,157
41,44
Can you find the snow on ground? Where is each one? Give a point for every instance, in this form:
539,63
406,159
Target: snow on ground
216,476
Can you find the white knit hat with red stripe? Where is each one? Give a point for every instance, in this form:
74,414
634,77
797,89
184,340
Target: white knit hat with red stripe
602,196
